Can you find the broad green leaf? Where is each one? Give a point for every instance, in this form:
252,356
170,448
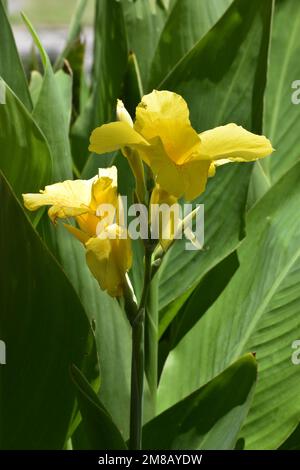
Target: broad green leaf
25,157
229,88
259,183
45,329
64,83
112,330
203,297
11,69
223,77
188,22
282,117
52,114
109,68
99,428
211,417
145,20
259,312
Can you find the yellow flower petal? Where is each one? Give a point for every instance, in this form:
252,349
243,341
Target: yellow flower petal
103,192
160,103
212,170
88,224
187,180
109,259
113,136
68,199
79,234
111,173
195,174
164,114
234,143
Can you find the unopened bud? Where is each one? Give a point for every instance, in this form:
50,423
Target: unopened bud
122,113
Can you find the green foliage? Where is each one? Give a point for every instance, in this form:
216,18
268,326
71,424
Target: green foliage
211,307
97,424
46,330
211,417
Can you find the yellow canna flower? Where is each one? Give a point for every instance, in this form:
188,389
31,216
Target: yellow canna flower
180,158
108,252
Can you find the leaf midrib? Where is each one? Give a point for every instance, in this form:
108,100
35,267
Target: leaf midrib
261,310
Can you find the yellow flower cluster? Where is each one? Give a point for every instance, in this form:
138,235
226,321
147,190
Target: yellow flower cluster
108,254
180,159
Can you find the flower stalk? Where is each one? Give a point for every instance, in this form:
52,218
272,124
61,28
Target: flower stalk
138,360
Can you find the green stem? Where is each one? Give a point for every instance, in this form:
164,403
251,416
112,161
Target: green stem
151,340
137,366
137,383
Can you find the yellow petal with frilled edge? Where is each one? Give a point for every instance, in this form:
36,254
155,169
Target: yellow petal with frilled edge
68,199
104,189
164,114
164,103
109,259
234,143
113,136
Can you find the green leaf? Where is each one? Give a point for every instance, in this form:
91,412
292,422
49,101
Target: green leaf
11,69
145,20
25,157
52,114
231,91
187,23
204,296
258,311
133,87
108,72
35,85
45,329
281,120
260,183
223,77
100,430
73,33
211,417
64,82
